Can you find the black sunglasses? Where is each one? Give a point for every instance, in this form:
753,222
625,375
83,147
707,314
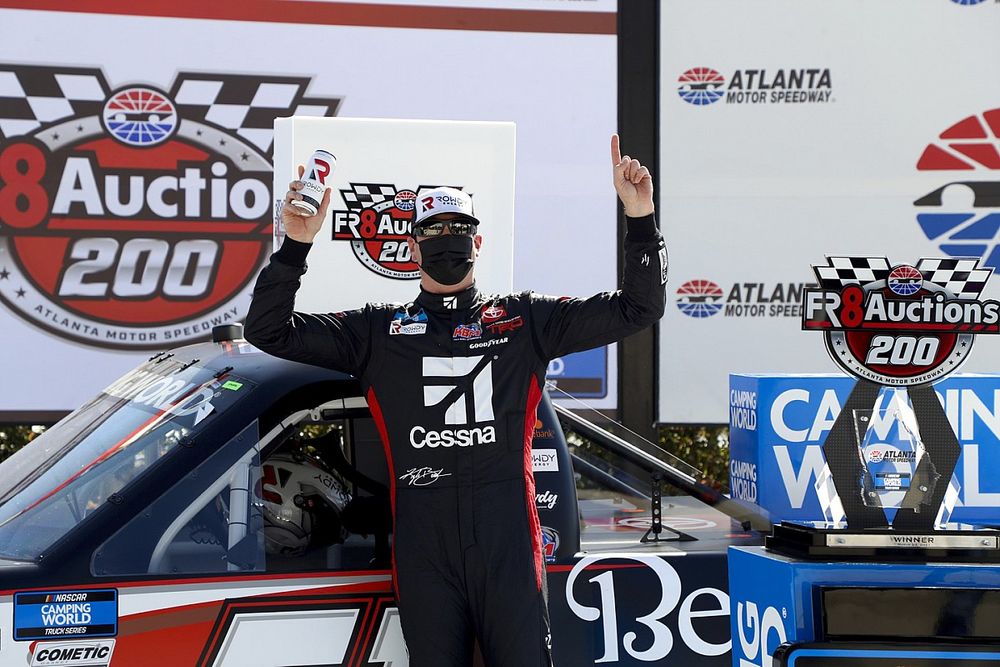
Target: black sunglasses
457,227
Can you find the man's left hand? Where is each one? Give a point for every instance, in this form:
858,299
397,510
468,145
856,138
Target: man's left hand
632,182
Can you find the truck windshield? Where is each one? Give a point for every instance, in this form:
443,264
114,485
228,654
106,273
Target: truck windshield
69,472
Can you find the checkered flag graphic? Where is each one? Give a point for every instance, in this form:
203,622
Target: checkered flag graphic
33,96
843,271
957,275
247,104
365,195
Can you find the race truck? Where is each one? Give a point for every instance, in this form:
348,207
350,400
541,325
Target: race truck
220,507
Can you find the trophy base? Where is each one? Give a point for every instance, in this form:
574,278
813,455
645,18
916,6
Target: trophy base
820,541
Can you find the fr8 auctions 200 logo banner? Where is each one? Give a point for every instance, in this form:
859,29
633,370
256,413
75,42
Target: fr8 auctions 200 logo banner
136,217
900,325
377,224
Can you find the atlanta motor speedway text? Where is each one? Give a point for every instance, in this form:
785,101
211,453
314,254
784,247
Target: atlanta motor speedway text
777,96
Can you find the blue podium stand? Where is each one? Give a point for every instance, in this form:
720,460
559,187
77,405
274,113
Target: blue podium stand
859,611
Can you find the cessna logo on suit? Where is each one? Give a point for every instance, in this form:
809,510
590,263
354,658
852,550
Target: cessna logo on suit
464,385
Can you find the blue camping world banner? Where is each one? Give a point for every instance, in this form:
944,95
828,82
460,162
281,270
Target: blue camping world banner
778,424
65,614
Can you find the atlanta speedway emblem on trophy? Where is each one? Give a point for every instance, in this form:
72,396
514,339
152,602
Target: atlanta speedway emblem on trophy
900,325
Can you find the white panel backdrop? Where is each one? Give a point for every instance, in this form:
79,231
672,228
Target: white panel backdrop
478,157
559,89
754,192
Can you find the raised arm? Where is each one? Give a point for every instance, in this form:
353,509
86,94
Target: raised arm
563,325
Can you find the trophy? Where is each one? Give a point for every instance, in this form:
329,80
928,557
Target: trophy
891,451
888,487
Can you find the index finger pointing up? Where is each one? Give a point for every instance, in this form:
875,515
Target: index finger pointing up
616,153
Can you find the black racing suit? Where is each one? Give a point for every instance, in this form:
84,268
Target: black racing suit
453,383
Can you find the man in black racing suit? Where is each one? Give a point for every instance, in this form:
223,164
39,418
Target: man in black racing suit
453,380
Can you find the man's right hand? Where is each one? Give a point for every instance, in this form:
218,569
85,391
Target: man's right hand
299,225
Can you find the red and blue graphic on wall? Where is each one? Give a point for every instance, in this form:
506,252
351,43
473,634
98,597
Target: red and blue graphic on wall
962,214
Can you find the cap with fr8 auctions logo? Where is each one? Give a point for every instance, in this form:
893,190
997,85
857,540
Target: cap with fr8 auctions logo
443,200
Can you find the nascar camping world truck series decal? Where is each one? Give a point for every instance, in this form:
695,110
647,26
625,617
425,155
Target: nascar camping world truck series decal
65,614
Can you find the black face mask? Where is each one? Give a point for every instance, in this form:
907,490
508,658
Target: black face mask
447,258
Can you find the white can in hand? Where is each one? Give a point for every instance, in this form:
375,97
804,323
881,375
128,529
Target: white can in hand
314,179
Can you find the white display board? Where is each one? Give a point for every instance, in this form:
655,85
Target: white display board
182,255
382,166
793,129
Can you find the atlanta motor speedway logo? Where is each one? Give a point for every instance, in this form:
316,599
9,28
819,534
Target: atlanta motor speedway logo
377,223
702,86
134,218
700,298
900,325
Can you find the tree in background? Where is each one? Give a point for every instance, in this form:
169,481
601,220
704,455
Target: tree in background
12,438
704,447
